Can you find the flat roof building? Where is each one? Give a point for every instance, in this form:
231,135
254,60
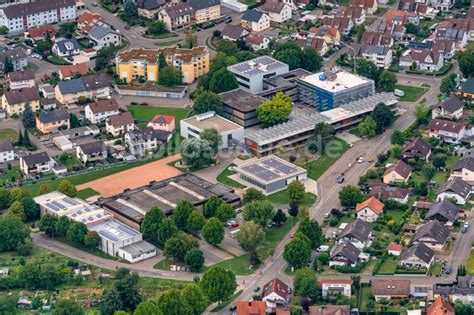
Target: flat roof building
328,90
117,239
251,73
296,131
270,174
285,83
131,206
241,106
229,131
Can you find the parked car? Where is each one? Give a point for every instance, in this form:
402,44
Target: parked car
94,4
256,289
293,234
340,179
323,248
233,308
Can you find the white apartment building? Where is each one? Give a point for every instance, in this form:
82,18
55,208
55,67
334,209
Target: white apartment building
6,151
20,17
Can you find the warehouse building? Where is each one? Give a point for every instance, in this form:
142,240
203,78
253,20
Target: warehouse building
131,206
296,131
270,174
117,239
229,131
251,73
328,90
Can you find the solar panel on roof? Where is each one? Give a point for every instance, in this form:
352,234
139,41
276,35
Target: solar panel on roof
70,201
52,206
57,204
126,230
108,235
266,175
279,166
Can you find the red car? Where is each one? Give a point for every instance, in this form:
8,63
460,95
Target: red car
293,234
235,225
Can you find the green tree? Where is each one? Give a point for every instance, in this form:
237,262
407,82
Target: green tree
448,84
218,284
382,116
44,189
211,206
397,137
62,225
156,27
213,231
111,301
28,117
67,29
74,121
313,231
4,30
395,151
260,211
387,81
466,62
439,160
179,244
166,230
213,138
222,81
251,235
171,302
4,198
7,66
196,221
274,111
279,218
208,101
147,308
289,53
17,194
130,10
411,28
181,213
47,224
30,207
67,188
194,259
92,240
67,307
195,299
124,294
225,212
298,251
368,69
16,209
349,196
368,127
190,40
252,194
296,193
162,60
306,284
227,47
151,223
323,131
76,233
311,60
12,232
170,76
196,153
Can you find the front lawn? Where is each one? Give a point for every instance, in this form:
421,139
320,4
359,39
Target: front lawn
148,112
8,134
223,178
364,297
388,267
412,93
396,215
317,167
281,197
436,269
470,264
451,161
10,176
56,60
240,265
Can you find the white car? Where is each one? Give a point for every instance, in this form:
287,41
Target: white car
360,160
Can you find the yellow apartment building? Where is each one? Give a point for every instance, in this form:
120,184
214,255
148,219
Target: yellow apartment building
206,10
15,101
144,63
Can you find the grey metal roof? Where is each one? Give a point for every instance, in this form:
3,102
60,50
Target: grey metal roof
306,123
359,230
252,15
6,146
54,115
433,229
65,45
420,251
99,32
445,208
204,4
457,186
71,86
